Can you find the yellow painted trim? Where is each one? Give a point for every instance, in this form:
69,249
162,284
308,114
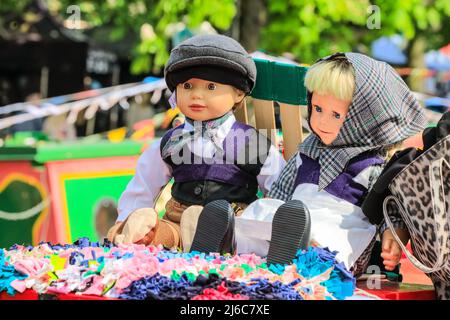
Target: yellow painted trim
98,174
30,180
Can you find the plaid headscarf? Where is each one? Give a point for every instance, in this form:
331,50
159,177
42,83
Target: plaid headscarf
383,112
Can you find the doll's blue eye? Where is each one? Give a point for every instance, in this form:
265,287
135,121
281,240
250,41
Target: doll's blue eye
187,85
337,115
212,86
318,109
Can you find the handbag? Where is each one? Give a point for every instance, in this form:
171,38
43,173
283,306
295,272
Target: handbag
420,193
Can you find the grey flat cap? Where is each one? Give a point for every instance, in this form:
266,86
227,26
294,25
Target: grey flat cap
211,52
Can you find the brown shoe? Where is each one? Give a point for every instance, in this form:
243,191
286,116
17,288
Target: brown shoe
166,234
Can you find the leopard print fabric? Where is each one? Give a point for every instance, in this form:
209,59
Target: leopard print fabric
441,288
362,262
412,187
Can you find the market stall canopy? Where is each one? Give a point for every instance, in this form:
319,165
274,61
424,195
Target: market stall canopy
438,104
389,49
438,60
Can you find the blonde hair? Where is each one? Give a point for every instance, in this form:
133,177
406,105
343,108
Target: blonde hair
335,77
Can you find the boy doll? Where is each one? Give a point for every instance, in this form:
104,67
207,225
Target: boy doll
217,163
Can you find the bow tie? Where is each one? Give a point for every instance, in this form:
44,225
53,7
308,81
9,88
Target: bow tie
206,129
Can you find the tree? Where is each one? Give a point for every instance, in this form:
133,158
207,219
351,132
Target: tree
251,16
151,22
315,28
308,29
424,23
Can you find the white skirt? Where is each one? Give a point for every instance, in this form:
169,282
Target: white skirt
335,223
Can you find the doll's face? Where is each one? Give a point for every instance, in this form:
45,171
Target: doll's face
204,100
327,116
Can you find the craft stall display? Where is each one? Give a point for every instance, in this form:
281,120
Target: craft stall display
139,272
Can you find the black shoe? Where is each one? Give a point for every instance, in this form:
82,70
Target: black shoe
215,229
291,229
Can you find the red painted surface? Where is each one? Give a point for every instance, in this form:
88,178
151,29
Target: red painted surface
32,295
415,286
400,291
26,295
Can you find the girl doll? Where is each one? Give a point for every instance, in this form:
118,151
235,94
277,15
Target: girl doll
357,108
216,162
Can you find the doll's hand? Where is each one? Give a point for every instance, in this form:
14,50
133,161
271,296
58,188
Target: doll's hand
391,251
139,228
114,230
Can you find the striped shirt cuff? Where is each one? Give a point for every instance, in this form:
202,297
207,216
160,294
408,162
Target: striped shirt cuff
397,222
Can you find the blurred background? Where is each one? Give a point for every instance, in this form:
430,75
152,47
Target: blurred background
82,94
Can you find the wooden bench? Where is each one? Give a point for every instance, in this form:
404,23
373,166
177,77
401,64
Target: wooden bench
282,84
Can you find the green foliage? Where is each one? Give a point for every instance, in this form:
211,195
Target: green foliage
127,17
307,28
153,45
313,28
12,6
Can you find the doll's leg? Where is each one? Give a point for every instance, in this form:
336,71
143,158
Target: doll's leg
189,222
254,226
215,229
144,227
291,228
188,226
